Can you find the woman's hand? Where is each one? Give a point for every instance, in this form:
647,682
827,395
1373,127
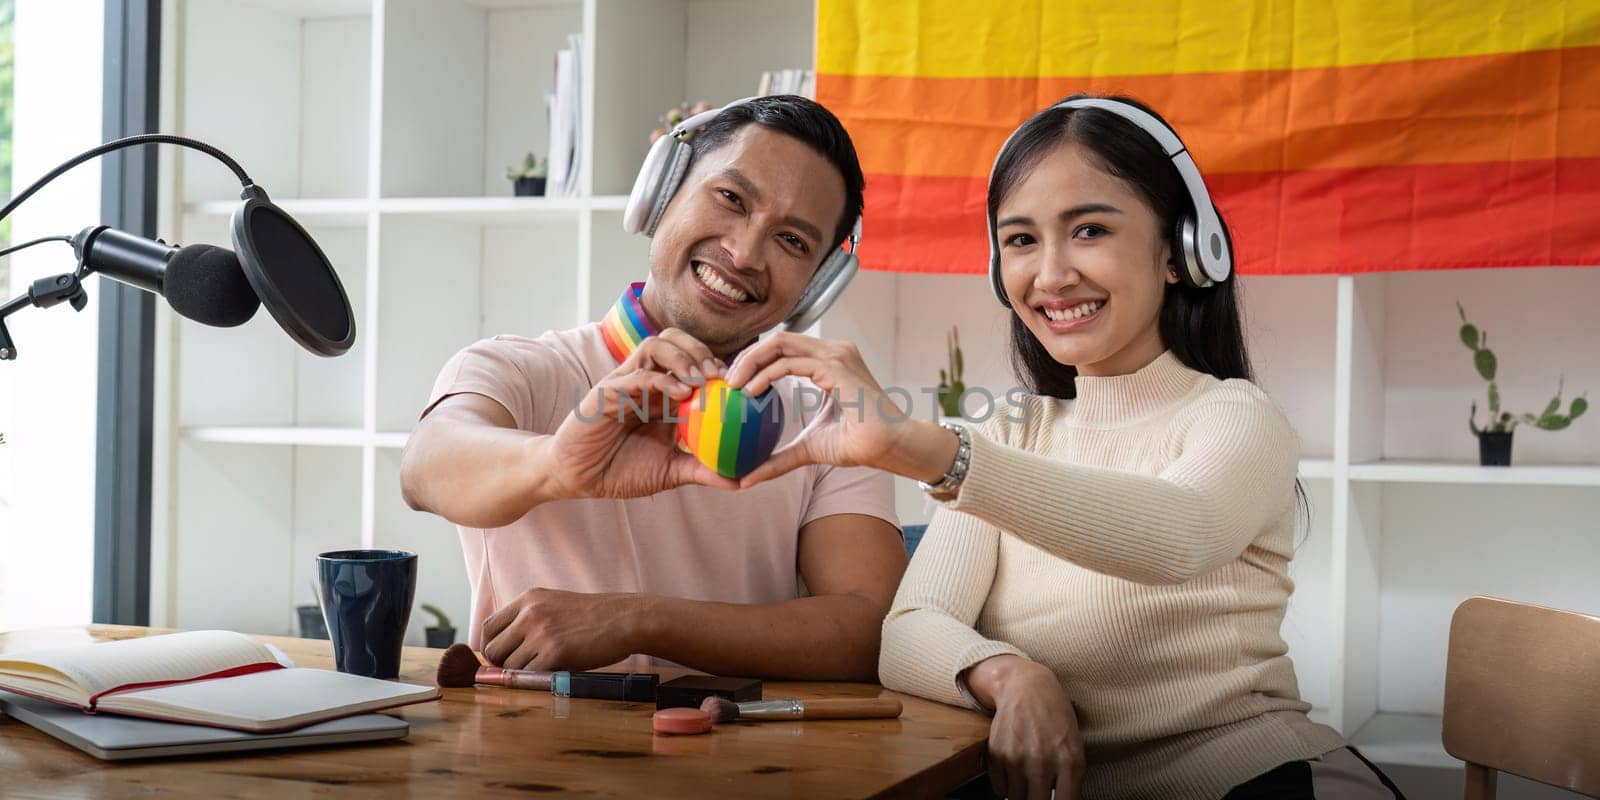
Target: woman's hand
1034,744
844,433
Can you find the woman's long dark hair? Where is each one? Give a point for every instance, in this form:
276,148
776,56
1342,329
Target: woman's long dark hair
1202,327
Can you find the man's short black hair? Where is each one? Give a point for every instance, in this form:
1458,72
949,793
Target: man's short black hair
806,120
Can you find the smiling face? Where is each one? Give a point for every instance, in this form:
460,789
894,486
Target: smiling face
1085,263
742,237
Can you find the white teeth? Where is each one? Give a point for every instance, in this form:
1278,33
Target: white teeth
1076,312
722,287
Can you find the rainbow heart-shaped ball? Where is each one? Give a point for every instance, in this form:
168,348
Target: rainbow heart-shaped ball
728,430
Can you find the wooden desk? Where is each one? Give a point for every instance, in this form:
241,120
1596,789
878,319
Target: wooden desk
490,742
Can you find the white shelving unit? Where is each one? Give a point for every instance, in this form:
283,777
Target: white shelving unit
1447,473
384,126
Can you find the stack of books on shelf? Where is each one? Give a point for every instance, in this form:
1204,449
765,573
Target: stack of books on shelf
802,82
566,120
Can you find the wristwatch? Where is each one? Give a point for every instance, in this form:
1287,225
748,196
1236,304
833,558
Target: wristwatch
947,486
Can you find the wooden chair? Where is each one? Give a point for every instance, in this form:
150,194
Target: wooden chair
1522,695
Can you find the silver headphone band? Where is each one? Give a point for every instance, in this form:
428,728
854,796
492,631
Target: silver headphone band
690,124
1168,141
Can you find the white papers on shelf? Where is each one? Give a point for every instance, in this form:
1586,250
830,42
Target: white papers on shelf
565,106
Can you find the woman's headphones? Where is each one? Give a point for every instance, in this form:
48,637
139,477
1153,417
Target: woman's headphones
662,174
1205,251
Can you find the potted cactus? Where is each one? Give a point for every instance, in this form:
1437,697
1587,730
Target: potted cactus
1494,438
951,386
529,180
442,633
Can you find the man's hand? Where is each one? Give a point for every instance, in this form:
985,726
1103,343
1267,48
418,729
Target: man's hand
619,440
550,629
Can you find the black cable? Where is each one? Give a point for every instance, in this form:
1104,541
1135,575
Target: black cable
118,144
9,250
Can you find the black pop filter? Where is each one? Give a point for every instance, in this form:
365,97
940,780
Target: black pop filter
290,274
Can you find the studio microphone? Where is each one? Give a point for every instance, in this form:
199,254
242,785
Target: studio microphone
200,281
274,263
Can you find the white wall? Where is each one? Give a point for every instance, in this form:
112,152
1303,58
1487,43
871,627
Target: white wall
47,396
1443,544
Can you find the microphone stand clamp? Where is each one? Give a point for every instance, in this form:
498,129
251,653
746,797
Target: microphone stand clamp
44,293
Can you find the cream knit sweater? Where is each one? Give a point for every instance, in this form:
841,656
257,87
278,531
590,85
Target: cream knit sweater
1136,541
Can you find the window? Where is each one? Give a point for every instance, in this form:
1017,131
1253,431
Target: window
7,7
51,111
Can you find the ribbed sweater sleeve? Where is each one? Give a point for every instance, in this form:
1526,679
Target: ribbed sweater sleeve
929,637
1234,470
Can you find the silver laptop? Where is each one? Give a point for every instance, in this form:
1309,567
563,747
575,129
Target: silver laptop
113,738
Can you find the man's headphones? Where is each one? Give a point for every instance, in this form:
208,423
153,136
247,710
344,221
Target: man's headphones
1204,249
662,174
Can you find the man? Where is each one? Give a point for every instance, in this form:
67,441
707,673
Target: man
588,536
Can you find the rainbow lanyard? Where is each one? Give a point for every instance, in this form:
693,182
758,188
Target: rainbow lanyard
626,325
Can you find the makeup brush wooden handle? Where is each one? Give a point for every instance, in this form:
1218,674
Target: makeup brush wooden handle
850,708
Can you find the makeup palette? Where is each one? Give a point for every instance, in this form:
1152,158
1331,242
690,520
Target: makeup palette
689,691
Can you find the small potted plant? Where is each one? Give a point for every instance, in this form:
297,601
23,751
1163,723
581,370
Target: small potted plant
951,386
312,625
1494,438
442,633
676,115
529,180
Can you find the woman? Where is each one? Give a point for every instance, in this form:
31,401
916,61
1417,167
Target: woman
1109,571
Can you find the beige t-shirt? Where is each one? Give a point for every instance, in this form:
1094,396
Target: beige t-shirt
692,542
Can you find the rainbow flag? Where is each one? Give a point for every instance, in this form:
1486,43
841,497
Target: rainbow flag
1337,137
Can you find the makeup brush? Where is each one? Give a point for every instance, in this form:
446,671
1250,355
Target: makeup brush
722,709
460,667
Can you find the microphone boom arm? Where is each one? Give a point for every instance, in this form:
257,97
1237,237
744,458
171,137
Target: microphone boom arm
119,144
47,292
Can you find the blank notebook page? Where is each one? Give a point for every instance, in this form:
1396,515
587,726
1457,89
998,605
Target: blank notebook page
267,700
96,668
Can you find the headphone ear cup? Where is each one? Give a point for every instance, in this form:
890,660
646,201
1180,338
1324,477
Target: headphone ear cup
647,186
996,280
677,167
1219,251
823,290
1190,269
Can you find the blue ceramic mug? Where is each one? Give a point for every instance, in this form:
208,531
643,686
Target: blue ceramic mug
366,600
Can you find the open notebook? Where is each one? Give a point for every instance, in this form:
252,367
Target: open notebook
217,678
